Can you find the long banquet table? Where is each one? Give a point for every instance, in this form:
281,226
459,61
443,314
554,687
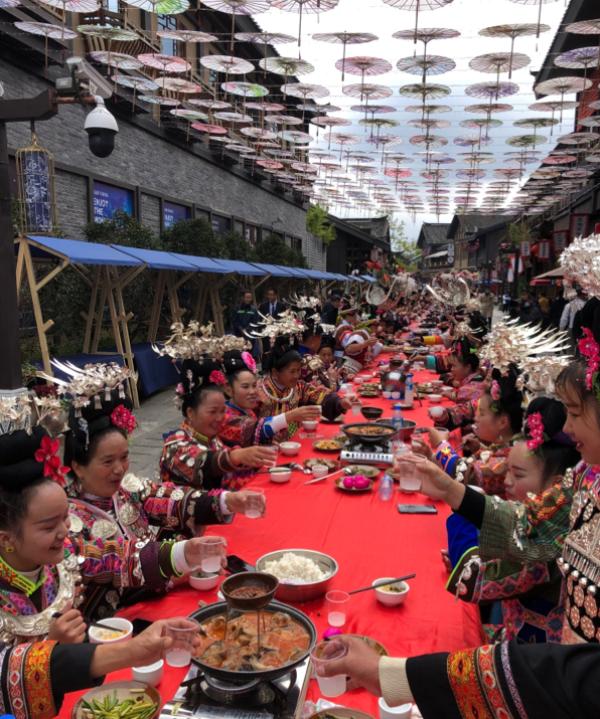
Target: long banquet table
369,539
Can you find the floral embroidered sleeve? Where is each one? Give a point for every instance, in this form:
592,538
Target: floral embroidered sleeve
239,430
186,461
179,509
315,393
459,415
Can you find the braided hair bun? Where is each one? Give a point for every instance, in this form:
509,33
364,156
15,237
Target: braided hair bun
198,378
283,352
506,398
18,466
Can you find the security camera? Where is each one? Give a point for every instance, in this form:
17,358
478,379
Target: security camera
88,79
101,128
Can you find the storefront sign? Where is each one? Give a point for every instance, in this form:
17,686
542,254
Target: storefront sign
172,213
108,199
579,225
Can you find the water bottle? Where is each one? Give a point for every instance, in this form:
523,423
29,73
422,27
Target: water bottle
386,488
409,394
397,416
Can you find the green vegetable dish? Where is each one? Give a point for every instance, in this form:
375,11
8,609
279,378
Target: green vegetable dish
137,706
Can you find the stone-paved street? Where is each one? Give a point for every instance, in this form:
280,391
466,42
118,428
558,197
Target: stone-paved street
156,416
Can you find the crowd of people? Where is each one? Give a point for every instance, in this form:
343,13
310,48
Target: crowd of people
81,536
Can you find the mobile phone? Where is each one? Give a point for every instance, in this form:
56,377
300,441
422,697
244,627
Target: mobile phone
139,625
416,509
235,565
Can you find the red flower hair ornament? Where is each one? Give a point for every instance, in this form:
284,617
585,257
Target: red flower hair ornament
590,351
123,418
47,454
248,360
535,426
217,377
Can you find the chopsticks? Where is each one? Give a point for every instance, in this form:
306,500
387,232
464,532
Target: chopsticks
320,479
383,584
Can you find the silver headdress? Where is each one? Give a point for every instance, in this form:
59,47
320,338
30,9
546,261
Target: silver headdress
539,354
21,410
196,342
287,324
451,288
580,262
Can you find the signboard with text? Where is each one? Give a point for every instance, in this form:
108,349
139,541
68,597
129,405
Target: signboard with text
172,213
108,199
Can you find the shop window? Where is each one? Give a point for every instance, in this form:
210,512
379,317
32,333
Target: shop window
172,213
167,22
108,199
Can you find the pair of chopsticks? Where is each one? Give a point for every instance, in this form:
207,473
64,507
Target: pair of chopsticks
320,479
385,583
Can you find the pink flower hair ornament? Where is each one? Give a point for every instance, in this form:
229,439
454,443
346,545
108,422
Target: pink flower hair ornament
495,391
123,418
217,377
535,427
590,351
248,360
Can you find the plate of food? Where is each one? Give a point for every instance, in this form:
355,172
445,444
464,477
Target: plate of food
366,469
331,464
328,445
354,484
369,393
340,713
119,700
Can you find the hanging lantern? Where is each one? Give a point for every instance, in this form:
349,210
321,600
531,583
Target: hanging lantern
35,182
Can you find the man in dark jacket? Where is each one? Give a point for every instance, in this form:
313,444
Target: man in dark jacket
329,314
244,315
271,306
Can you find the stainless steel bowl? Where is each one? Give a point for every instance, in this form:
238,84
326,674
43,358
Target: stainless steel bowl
302,592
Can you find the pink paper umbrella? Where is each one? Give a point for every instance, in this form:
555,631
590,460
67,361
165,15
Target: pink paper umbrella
209,129
165,63
364,66
345,39
559,159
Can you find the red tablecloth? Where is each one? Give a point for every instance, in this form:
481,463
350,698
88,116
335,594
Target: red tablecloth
369,539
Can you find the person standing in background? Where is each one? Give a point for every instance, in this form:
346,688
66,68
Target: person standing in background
244,316
329,315
571,309
271,307
486,302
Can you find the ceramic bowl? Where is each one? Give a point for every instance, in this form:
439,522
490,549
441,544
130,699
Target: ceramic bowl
310,424
203,581
97,634
280,475
391,599
434,398
151,674
290,449
436,412
387,712
319,470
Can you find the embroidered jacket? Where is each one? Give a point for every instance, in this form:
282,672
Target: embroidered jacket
242,428
190,458
486,468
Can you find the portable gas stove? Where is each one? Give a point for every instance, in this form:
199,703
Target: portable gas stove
362,453
203,697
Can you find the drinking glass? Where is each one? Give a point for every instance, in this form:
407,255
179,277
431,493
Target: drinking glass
179,654
213,550
337,607
356,405
409,477
255,505
323,653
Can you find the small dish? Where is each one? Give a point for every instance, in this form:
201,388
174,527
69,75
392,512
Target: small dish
111,630
290,449
310,424
403,711
151,674
280,475
319,470
203,581
367,470
120,691
331,464
343,485
435,398
391,598
436,412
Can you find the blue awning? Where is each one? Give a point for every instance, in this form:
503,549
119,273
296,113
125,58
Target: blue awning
318,275
354,278
79,252
241,268
201,264
156,259
369,278
274,270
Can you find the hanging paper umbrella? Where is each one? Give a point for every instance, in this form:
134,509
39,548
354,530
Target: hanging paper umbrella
326,121
499,62
568,85
554,105
110,33
295,137
115,59
428,109
9,3
427,34
287,66
257,133
233,118
78,6
429,124
471,141
577,138
525,140
164,63
237,7
489,108
48,31
584,27
244,89
210,105
590,121
193,36
304,6
364,66
539,3
227,64
537,123
345,38
417,6
283,120
209,129
425,65
373,109
160,7
481,122
513,32
271,165
492,90
137,84
429,140
178,84
559,159
304,90
425,91
581,58
191,115
265,106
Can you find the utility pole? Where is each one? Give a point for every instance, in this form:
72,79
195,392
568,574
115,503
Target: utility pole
41,107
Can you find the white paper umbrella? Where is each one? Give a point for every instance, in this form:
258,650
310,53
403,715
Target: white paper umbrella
237,7
304,6
569,85
47,31
540,4
345,39
417,6
227,64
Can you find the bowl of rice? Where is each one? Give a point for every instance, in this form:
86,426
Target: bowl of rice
303,574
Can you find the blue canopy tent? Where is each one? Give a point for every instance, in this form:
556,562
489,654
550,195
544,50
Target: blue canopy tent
111,271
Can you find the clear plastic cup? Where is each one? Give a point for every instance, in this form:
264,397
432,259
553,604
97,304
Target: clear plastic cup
410,481
255,505
213,551
323,653
337,607
179,654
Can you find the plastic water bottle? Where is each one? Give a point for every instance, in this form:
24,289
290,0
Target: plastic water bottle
397,416
386,488
409,393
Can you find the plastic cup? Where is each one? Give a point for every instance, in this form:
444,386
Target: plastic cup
179,653
337,607
409,477
213,550
323,653
255,505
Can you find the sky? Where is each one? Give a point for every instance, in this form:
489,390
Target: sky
466,16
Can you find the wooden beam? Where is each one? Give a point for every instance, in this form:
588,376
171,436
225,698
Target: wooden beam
159,289
51,275
41,326
123,316
91,313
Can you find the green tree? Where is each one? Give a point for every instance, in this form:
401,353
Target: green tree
238,248
194,237
273,249
317,223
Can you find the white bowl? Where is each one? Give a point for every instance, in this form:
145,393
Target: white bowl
150,674
437,383
310,424
387,712
359,380
290,449
95,633
391,599
319,470
386,394
434,398
280,475
436,412
203,581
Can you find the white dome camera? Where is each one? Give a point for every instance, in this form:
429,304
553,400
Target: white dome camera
101,128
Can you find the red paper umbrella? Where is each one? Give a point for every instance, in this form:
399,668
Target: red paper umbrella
559,159
364,66
304,6
209,129
539,3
